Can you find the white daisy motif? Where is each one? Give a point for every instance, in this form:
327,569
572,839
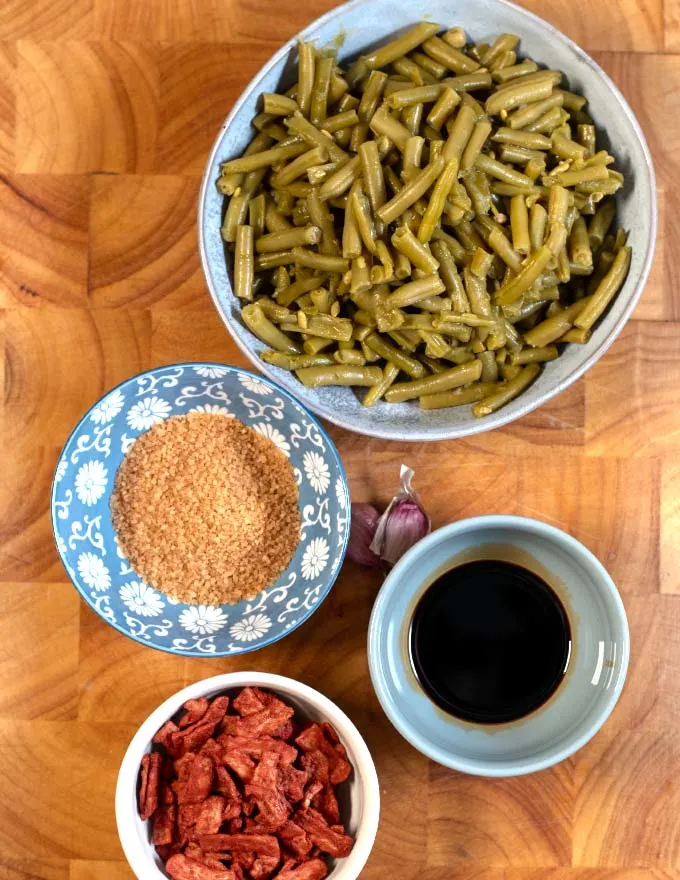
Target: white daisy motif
340,493
315,558
108,408
212,409
250,628
60,471
141,599
203,619
211,372
93,571
91,482
148,412
273,434
253,384
317,471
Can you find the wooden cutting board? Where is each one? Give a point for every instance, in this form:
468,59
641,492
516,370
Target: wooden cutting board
107,111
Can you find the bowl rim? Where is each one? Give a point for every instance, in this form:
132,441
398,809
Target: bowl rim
500,417
139,856
379,619
342,550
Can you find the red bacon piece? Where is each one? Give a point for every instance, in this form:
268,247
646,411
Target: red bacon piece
251,700
314,869
293,783
265,721
164,735
211,816
296,839
316,738
164,825
329,840
194,710
179,867
199,782
262,844
149,785
313,789
328,806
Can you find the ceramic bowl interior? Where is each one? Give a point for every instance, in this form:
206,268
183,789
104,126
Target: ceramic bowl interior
89,548
596,670
356,27
358,798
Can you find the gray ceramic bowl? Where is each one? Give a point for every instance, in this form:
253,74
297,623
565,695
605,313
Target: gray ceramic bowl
357,26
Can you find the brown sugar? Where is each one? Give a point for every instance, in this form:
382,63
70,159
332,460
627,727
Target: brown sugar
206,509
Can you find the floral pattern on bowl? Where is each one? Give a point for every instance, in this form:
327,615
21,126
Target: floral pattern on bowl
89,548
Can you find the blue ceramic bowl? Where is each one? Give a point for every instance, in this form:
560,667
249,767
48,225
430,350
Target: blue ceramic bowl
87,542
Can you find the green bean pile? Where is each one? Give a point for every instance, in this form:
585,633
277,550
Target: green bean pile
433,224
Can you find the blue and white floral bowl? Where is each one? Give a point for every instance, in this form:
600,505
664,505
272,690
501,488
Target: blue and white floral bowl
89,548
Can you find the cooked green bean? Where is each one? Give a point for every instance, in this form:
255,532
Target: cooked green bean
256,213
534,355
529,273
321,262
326,326
263,159
519,92
370,99
322,80
340,121
323,219
507,391
579,244
339,374
434,68
258,323
450,57
351,237
481,262
501,172
377,391
406,243
460,396
606,290
440,191
414,291
581,337
295,361
382,123
445,381
402,46
601,224
374,180
235,216
244,263
410,70
361,211
572,101
411,192
413,153
476,141
287,239
306,64
294,291
533,112
443,107
500,244
538,223
547,123
416,95
412,117
313,136
469,82
278,105
555,327
519,224
396,356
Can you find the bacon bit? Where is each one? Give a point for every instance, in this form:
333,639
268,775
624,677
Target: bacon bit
314,869
194,711
179,867
328,840
149,788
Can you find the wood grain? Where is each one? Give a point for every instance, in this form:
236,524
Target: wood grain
108,109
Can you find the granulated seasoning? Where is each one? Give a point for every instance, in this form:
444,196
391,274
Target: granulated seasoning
206,509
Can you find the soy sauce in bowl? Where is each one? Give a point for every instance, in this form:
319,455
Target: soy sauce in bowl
489,642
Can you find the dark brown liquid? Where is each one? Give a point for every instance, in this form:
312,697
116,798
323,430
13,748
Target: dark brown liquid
489,641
